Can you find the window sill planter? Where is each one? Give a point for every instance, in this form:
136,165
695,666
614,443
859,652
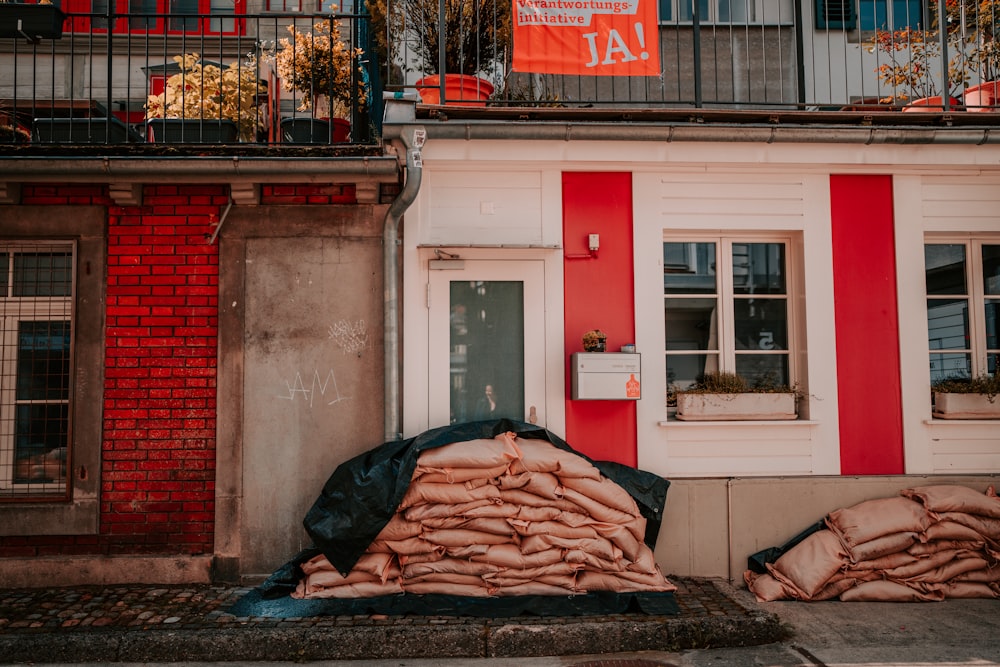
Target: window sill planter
31,21
965,406
736,407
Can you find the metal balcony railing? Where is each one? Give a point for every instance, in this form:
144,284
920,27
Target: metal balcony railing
228,78
269,79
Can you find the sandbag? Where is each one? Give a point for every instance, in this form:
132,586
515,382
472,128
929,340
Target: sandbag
882,546
812,563
955,498
888,591
876,518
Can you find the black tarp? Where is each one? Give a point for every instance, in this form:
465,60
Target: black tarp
362,494
758,562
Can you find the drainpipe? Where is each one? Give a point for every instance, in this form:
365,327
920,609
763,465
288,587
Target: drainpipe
398,107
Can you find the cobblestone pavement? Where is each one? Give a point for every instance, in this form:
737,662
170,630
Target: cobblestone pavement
199,607
170,623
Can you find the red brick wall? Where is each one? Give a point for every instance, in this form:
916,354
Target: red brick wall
158,478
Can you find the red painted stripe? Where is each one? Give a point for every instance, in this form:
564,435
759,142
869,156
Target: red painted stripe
867,325
599,294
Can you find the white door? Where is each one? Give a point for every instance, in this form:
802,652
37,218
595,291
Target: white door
487,341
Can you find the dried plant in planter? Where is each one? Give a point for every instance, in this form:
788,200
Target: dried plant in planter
988,385
721,382
729,396
318,62
206,92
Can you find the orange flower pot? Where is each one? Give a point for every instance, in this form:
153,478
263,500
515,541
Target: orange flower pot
982,97
932,104
459,90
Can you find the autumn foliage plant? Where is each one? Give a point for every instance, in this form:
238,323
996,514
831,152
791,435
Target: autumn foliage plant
318,62
206,92
476,33
910,60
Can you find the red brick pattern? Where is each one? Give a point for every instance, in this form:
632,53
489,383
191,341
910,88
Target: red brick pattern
158,448
158,482
318,194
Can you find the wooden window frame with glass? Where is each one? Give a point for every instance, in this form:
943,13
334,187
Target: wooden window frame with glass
35,382
712,312
959,340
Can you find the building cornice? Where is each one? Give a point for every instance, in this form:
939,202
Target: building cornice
125,175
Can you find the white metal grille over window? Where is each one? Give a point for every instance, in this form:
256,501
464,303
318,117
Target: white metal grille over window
36,314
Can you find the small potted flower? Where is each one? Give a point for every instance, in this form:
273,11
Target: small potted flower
967,398
325,71
908,70
204,103
722,396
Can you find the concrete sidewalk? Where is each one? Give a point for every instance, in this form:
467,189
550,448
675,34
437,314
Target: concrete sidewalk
191,623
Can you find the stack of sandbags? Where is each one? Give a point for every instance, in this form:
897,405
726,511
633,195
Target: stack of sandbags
501,517
930,543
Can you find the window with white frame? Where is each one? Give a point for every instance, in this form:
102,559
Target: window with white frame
740,12
36,315
963,306
726,308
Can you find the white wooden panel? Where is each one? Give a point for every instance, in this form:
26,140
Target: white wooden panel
969,454
484,208
737,207
956,201
730,201
737,448
742,466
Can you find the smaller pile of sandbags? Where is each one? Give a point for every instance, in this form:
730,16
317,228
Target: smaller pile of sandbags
501,517
929,543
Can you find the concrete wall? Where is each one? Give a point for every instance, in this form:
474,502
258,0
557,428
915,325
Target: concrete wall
301,379
711,526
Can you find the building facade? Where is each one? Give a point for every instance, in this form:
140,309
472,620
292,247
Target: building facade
195,337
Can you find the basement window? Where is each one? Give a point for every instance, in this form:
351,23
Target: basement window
36,314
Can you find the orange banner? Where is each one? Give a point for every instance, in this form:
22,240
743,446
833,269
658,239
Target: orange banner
597,37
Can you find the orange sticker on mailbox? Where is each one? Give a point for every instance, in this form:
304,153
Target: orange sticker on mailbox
631,387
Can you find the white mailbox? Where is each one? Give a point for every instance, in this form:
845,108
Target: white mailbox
606,376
